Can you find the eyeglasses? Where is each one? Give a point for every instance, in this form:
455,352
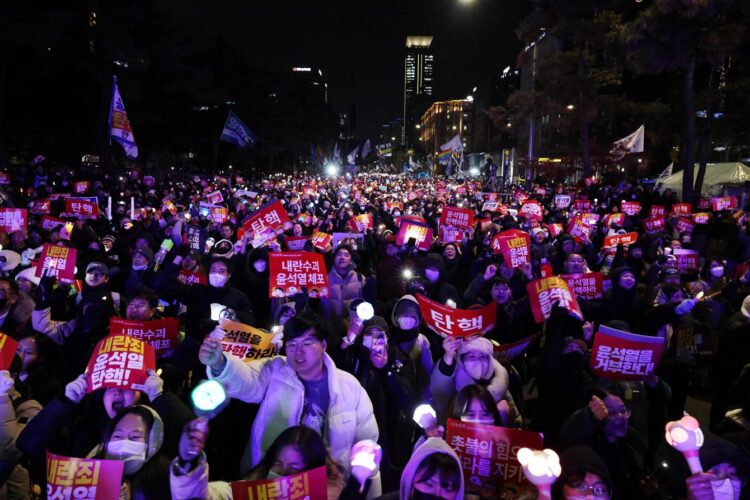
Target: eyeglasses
581,489
622,412
138,305
306,344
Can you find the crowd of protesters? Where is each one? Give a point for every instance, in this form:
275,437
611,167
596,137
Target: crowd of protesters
340,384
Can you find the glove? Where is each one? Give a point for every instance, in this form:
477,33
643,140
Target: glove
76,390
6,382
685,306
153,386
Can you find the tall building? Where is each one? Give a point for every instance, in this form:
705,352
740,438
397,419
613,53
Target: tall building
445,119
418,85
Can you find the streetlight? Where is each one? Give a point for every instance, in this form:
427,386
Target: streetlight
570,107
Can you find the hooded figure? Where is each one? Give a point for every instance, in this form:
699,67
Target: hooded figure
255,285
475,365
405,337
622,301
418,470
432,268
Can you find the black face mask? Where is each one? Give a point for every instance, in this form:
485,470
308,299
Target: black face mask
400,335
418,495
574,361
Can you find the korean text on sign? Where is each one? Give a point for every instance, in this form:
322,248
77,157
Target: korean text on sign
119,361
310,485
270,216
73,478
57,261
290,272
82,208
246,342
162,334
544,293
585,285
488,457
625,356
447,321
457,217
13,219
421,233
515,247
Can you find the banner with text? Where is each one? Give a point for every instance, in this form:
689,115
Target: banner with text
69,478
545,293
246,342
162,334
290,272
57,261
119,361
450,322
310,485
623,355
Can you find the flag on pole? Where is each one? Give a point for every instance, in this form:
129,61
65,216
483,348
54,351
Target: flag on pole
454,144
119,126
666,172
632,143
353,155
366,149
336,153
236,132
445,156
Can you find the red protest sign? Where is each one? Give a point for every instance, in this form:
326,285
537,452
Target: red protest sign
579,230
215,197
49,223
119,361
162,334
516,248
614,219
13,219
508,352
682,209
582,205
488,458
630,207
519,195
701,217
562,201
7,351
450,322
585,285
685,225
41,206
295,243
394,204
554,229
704,203
81,187
219,214
588,218
57,261
192,278
491,206
655,224
310,485
625,356
291,271
687,260
719,203
532,210
81,208
620,239
450,234
87,478
421,233
361,222
270,216
457,217
547,292
657,211
321,241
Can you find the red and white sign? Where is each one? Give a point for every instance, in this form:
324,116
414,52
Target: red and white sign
57,261
7,351
588,218
421,233
457,217
450,234
41,206
321,241
488,456
515,247
49,223
582,205
579,230
657,211
13,219
82,208
701,217
92,479
162,334
585,285
361,223
508,352
620,239
491,206
119,361
614,219
215,197
81,187
687,260
295,243
309,485
625,356
554,229
271,216
562,201
450,322
532,210
192,278
519,195
655,224
685,226
219,215
630,207
719,203
545,293
682,209
290,272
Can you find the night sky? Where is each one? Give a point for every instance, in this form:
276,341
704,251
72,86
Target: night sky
360,46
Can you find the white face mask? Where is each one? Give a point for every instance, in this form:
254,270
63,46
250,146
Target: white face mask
260,265
133,453
431,275
217,280
476,369
717,272
487,421
140,268
407,322
273,475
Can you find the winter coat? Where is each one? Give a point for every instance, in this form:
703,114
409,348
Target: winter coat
274,385
447,381
342,291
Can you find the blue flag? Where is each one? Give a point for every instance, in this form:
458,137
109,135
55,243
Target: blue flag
237,132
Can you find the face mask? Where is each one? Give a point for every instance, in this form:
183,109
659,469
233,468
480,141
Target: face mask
407,322
396,213
717,272
487,421
133,453
574,360
217,280
431,275
140,268
418,495
475,369
273,475
260,265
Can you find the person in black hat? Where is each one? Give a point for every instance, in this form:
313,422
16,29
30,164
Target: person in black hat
584,475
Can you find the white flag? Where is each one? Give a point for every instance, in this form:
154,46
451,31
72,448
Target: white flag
666,172
336,153
454,144
632,143
366,149
119,126
353,155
